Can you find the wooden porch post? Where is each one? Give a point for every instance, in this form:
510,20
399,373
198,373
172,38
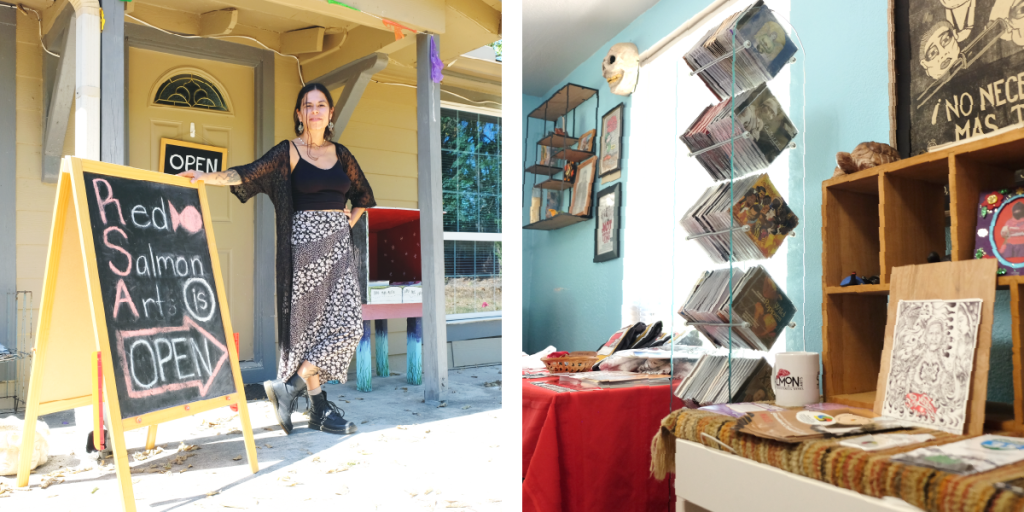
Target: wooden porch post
428,146
113,115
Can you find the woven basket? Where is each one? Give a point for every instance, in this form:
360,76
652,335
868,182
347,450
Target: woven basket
573,363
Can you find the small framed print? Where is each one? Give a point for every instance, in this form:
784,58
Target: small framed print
583,189
586,142
606,229
611,140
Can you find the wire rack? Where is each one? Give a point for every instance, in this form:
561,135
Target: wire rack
16,352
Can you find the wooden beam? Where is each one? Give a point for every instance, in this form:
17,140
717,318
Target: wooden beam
428,160
428,15
480,13
52,14
307,40
58,112
113,111
358,43
354,76
171,20
217,23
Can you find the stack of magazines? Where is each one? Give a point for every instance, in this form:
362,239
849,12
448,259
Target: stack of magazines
758,302
708,383
760,132
757,218
769,49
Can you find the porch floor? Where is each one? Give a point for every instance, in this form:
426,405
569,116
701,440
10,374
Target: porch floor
406,456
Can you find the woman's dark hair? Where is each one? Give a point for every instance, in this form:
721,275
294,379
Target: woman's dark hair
312,86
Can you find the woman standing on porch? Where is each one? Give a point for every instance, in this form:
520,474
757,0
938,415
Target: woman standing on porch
309,179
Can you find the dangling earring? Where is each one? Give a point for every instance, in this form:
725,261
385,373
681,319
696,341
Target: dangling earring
301,128
330,126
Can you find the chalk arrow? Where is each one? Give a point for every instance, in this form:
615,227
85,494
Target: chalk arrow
187,327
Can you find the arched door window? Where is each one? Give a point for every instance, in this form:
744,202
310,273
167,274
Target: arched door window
189,90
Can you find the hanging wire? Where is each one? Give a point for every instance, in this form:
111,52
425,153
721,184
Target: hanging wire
298,64
39,22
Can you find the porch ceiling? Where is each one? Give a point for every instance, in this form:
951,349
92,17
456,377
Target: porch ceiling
348,35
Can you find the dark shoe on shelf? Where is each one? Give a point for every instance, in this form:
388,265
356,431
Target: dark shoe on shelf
327,417
283,396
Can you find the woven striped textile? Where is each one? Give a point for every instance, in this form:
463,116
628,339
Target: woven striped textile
870,473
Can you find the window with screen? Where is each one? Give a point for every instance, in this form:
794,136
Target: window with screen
471,188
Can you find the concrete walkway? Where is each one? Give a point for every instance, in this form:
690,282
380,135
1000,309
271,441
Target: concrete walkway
406,456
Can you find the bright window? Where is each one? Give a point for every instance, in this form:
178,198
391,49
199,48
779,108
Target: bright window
471,186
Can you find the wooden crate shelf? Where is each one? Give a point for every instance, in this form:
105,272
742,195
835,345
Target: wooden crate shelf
894,215
573,155
544,170
555,185
553,140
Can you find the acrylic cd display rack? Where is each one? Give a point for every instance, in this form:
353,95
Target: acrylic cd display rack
741,218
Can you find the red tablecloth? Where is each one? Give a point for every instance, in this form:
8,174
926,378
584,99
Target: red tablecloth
591,450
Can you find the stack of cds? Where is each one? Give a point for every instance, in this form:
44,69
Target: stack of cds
708,382
760,132
757,302
758,214
769,49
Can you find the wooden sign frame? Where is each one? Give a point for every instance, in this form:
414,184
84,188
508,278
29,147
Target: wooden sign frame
72,329
951,280
164,141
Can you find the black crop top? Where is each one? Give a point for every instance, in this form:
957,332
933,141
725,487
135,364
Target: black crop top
314,188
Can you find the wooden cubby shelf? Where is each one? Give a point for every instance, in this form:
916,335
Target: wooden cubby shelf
894,215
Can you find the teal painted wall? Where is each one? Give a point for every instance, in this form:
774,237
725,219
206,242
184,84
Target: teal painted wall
847,102
568,300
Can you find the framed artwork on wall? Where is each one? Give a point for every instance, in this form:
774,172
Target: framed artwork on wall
583,189
606,229
954,70
611,139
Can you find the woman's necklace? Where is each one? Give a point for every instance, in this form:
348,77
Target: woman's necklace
309,152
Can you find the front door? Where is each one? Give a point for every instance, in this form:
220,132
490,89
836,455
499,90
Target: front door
204,102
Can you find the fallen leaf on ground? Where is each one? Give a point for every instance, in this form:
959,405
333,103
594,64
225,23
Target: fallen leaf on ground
237,458
94,489
337,470
316,459
212,493
268,445
465,407
402,428
186,447
364,422
457,505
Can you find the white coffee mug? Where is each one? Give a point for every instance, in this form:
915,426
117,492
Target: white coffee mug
795,378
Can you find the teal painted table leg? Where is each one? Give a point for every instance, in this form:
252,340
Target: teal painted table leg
363,364
382,347
414,351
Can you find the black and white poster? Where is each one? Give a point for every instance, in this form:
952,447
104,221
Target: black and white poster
966,68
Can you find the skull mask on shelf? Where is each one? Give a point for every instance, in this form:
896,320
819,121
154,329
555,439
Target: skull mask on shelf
621,68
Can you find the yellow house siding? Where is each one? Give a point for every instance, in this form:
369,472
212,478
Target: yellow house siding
34,204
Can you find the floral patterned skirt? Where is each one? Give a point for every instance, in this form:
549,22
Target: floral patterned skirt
326,310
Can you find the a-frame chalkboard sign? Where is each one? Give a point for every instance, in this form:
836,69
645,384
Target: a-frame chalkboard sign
133,317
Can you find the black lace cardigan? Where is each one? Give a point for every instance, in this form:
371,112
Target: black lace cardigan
271,175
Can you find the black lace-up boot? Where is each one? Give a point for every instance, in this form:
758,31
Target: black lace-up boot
327,417
283,396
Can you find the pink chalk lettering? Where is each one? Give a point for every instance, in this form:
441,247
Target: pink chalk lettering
102,202
124,297
106,241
